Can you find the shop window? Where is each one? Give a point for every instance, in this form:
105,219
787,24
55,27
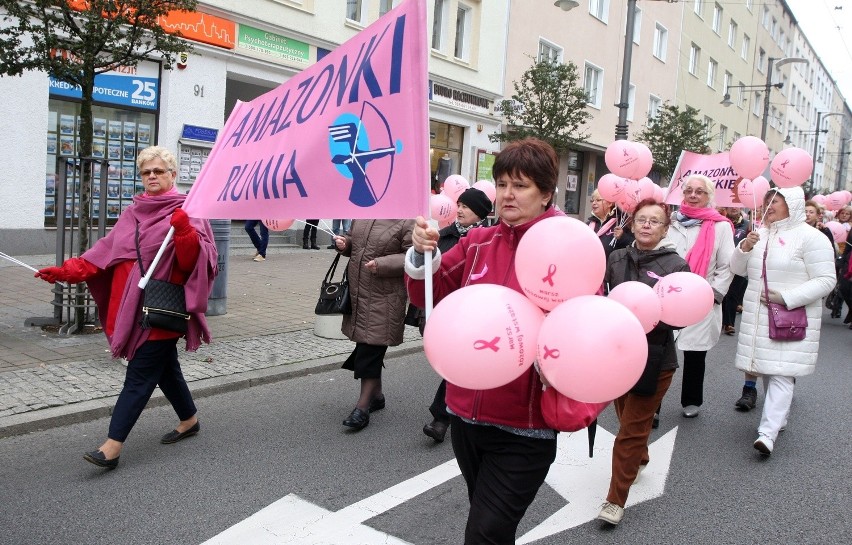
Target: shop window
118,136
445,151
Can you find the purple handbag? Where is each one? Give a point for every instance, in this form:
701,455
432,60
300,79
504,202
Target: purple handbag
784,324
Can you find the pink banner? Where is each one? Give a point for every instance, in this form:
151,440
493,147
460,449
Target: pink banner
717,167
346,138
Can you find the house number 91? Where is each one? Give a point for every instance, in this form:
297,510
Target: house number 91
199,90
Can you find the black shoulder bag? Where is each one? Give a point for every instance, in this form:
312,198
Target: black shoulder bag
334,296
163,303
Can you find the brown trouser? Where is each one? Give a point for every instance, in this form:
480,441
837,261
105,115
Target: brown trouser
635,414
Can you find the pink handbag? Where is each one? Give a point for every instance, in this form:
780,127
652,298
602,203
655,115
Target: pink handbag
784,324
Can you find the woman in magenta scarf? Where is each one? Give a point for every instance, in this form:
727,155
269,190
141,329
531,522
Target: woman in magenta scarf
112,273
705,239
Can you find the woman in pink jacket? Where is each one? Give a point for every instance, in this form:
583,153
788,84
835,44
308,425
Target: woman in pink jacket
500,439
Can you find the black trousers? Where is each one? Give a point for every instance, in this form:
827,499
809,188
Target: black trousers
438,408
692,392
155,362
503,472
310,232
733,298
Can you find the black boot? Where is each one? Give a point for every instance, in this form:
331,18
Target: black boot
305,244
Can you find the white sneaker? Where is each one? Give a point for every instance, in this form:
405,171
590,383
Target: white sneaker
259,258
691,411
611,513
764,445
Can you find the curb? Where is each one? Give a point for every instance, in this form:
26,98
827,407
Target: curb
86,411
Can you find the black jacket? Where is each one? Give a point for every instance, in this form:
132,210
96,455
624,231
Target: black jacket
606,238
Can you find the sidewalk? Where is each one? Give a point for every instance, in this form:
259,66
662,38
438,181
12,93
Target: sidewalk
49,380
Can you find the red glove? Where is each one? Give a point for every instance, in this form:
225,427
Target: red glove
51,274
180,221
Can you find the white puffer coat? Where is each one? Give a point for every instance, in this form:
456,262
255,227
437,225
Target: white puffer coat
705,334
799,265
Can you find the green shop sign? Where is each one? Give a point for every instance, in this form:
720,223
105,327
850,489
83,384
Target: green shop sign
269,43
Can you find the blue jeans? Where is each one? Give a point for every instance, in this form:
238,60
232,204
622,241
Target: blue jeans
260,242
155,362
340,227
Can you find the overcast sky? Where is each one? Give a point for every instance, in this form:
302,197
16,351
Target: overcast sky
829,31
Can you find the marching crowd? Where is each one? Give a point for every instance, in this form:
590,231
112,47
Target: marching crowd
499,436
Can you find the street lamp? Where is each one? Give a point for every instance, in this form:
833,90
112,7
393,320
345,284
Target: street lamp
788,140
624,99
726,101
820,117
566,5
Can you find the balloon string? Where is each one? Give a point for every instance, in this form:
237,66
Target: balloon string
775,189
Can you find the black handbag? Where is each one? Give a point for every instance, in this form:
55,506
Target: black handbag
163,303
334,296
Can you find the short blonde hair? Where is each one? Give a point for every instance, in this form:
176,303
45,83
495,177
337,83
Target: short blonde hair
157,152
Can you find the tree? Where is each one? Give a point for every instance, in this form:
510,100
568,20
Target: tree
547,104
76,40
674,130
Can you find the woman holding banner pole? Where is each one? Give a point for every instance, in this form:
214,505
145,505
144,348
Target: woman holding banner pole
502,444
112,272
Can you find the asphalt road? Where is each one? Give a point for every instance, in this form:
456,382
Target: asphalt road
284,440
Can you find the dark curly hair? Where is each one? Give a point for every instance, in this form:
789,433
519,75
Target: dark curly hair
535,159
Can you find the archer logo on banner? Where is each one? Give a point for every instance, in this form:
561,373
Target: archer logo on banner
346,138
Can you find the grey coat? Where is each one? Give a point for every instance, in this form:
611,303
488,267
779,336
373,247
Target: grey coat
378,299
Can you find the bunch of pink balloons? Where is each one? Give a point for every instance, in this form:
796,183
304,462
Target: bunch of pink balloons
835,201
751,192
627,183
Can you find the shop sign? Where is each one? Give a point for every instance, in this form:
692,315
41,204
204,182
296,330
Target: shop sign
127,86
203,134
442,94
276,45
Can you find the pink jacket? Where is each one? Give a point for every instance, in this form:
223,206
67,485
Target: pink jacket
487,256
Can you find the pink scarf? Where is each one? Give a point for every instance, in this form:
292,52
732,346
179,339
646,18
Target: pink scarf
698,257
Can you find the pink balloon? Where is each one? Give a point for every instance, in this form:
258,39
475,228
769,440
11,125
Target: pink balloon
454,186
627,202
745,193
847,195
835,201
791,167
749,156
557,259
445,223
838,231
646,189
819,199
686,298
611,187
278,225
645,161
761,188
498,340
641,300
592,349
622,158
488,188
442,207
659,194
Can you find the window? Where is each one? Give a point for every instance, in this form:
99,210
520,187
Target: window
599,9
549,52
440,16
755,104
708,125
726,83
462,47
712,66
694,59
637,26
717,19
593,85
761,61
355,11
385,6
749,5
732,34
740,96
698,7
764,19
654,103
723,138
746,47
661,41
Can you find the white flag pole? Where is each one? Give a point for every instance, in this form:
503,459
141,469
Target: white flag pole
144,280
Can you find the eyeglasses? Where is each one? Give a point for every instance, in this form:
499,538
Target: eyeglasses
155,171
698,192
597,200
653,222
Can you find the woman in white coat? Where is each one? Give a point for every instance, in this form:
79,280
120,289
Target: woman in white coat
705,239
799,273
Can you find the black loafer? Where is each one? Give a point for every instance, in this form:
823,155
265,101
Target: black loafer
99,459
436,430
377,404
174,436
357,419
